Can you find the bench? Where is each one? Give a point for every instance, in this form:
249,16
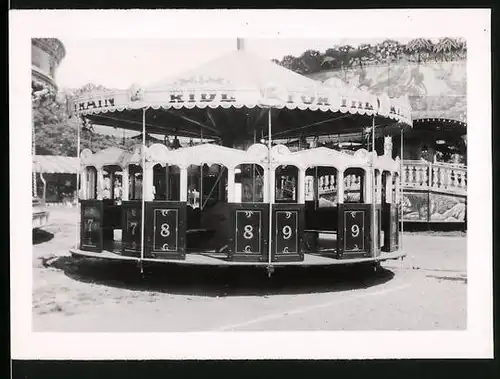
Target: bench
314,244
199,231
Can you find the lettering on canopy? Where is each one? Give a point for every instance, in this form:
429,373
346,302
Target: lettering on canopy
202,97
326,101
95,104
230,97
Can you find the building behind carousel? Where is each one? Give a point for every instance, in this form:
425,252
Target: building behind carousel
434,77
46,55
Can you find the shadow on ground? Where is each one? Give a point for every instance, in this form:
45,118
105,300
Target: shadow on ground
41,236
220,281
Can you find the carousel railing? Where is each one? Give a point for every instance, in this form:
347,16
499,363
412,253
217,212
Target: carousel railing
438,177
327,184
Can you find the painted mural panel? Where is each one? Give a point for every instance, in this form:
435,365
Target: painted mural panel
435,89
447,208
415,206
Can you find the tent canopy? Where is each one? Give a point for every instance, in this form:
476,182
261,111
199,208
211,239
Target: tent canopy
228,97
51,164
238,71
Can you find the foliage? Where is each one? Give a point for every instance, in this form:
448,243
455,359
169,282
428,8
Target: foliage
56,133
388,51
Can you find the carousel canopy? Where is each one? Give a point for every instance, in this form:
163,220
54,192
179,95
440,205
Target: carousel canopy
228,98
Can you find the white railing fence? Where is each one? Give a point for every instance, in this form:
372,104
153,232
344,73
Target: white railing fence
439,177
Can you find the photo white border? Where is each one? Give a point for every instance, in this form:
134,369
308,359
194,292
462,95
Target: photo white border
472,24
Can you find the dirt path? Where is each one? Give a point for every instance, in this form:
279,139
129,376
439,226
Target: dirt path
426,291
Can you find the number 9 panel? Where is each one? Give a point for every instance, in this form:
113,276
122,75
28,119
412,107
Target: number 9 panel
287,241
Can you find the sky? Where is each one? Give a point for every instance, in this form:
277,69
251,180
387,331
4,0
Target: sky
119,63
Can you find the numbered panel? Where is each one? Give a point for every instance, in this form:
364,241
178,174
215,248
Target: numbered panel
286,237
354,231
288,232
165,232
131,227
165,229
91,234
248,232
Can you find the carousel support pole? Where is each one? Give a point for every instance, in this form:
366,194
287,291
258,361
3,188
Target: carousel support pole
253,168
78,176
78,157
270,267
143,189
301,185
167,183
100,182
184,183
125,183
44,193
401,196
201,178
373,193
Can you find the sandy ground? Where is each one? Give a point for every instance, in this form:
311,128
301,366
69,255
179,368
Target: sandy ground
426,291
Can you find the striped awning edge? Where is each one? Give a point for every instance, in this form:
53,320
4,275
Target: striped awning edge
52,164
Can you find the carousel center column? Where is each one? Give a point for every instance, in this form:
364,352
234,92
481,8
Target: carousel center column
148,182
340,186
301,186
367,186
388,188
100,182
266,186
125,183
378,187
184,183
230,185
82,192
272,183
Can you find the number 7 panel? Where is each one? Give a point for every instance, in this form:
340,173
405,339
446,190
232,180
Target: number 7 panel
131,228
91,233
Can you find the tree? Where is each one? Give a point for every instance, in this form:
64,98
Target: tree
287,61
419,47
447,48
364,54
462,48
346,54
55,133
311,61
48,115
332,59
388,50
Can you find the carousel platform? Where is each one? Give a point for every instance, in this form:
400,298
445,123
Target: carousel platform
220,259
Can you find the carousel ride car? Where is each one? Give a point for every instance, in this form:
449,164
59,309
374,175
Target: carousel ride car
241,198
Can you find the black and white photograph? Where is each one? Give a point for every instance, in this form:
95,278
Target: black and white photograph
240,188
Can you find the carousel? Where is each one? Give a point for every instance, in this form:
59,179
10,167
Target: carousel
240,196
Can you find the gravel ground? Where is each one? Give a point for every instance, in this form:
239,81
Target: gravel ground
426,291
